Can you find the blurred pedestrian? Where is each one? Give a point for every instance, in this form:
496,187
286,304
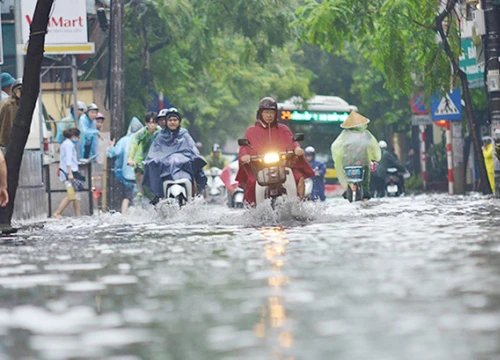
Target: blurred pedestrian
488,160
140,144
8,110
89,132
68,172
319,168
70,121
7,81
124,172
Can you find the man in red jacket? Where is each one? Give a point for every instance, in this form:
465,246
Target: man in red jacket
265,136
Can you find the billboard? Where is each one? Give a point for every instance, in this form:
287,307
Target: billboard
67,23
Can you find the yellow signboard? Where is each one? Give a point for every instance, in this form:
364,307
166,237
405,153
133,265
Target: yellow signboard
62,49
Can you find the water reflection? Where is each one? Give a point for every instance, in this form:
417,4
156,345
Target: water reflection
274,324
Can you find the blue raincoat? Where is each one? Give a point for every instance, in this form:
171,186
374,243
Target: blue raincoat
89,135
123,172
318,191
173,156
65,123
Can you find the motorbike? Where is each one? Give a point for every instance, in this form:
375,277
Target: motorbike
236,200
178,185
393,186
215,186
271,171
355,176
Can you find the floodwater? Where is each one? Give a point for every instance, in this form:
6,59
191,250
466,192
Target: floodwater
406,278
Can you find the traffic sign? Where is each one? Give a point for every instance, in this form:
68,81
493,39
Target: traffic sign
448,107
417,120
417,103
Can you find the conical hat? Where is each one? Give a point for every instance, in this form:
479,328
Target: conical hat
354,120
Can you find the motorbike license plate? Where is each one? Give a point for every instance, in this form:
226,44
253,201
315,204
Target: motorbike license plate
392,188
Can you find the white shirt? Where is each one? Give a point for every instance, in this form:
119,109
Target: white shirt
68,158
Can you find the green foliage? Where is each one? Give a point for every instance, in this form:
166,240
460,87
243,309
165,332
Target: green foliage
213,59
415,182
398,37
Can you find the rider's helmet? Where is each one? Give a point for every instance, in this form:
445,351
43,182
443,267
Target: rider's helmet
80,105
215,148
309,150
167,113
92,106
382,144
267,103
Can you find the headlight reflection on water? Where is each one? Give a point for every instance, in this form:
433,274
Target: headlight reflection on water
273,316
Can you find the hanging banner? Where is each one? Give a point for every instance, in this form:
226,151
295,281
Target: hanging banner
67,23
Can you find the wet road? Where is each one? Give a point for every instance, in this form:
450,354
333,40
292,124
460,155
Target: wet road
408,278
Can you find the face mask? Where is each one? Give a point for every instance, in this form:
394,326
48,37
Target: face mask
74,141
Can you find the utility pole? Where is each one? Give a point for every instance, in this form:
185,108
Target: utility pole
491,10
18,23
117,89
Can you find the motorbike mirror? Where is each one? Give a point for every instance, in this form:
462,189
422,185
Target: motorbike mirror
243,142
298,137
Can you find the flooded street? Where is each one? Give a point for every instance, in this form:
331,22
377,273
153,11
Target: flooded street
406,278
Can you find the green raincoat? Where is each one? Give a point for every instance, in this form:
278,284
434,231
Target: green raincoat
355,147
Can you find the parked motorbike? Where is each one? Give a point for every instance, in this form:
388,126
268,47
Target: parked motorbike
215,187
355,176
271,171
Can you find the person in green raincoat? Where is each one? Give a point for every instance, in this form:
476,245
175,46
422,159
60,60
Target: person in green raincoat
355,146
139,147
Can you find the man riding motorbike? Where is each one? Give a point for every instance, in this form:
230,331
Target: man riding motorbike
215,159
265,136
172,150
319,168
387,160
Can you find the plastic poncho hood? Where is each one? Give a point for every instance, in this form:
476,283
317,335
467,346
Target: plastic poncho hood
173,155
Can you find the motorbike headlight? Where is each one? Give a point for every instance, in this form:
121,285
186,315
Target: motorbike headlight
271,158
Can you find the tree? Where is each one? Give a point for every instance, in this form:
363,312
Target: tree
399,38
213,60
22,123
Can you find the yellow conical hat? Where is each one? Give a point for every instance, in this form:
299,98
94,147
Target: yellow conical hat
354,120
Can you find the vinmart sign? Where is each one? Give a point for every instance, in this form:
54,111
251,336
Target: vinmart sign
67,23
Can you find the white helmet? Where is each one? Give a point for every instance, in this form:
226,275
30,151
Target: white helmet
382,144
92,106
310,150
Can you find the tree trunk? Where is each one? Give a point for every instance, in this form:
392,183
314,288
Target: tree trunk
31,87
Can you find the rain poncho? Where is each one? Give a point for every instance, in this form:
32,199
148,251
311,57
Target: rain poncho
266,138
123,172
89,136
173,156
488,161
140,144
355,147
66,123
318,191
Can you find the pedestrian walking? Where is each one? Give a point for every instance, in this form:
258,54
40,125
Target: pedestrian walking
68,172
